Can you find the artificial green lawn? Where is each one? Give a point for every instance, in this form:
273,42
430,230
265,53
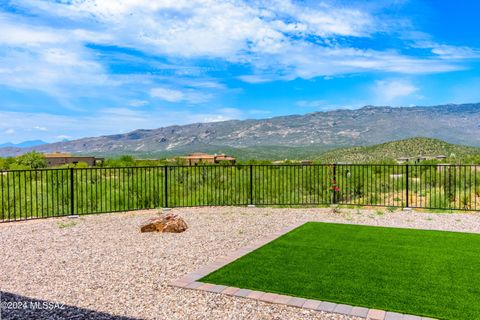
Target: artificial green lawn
428,273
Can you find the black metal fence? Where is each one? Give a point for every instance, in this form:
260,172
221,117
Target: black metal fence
29,194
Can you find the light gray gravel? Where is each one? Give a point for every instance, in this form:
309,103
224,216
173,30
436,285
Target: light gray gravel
102,263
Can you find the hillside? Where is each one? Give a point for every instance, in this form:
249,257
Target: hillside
402,148
457,124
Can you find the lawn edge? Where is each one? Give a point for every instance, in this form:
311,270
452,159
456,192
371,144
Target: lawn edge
191,281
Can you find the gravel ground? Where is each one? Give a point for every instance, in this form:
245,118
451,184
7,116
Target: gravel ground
102,267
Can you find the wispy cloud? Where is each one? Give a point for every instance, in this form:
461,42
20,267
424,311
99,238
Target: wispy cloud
169,95
449,52
223,114
46,59
389,91
137,103
172,95
279,39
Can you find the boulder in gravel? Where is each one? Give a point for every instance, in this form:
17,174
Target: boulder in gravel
167,223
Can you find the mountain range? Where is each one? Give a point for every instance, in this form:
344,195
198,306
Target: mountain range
24,144
312,132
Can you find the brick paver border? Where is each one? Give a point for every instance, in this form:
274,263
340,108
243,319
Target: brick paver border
190,281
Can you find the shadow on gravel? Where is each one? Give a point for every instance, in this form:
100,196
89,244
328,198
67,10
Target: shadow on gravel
13,306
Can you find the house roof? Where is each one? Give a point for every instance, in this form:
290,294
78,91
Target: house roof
57,155
67,155
200,155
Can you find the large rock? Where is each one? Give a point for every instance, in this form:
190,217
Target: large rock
167,223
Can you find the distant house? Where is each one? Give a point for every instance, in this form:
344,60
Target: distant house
402,160
420,158
196,158
306,162
222,157
60,158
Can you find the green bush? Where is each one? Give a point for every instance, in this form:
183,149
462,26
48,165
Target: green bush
32,160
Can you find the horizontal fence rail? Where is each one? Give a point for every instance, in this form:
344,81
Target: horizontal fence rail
30,194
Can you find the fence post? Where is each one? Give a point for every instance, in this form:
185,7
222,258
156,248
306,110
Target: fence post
251,184
72,192
334,186
165,173
407,185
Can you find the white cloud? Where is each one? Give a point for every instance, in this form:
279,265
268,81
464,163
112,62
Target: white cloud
223,114
308,61
169,95
186,28
273,36
454,52
21,35
328,20
9,131
257,78
42,58
206,84
56,72
389,91
137,103
422,40
172,95
40,128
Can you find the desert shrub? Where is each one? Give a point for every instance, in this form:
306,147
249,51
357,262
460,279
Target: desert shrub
81,165
32,160
465,200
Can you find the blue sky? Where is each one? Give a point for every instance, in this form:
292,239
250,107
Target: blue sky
76,68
